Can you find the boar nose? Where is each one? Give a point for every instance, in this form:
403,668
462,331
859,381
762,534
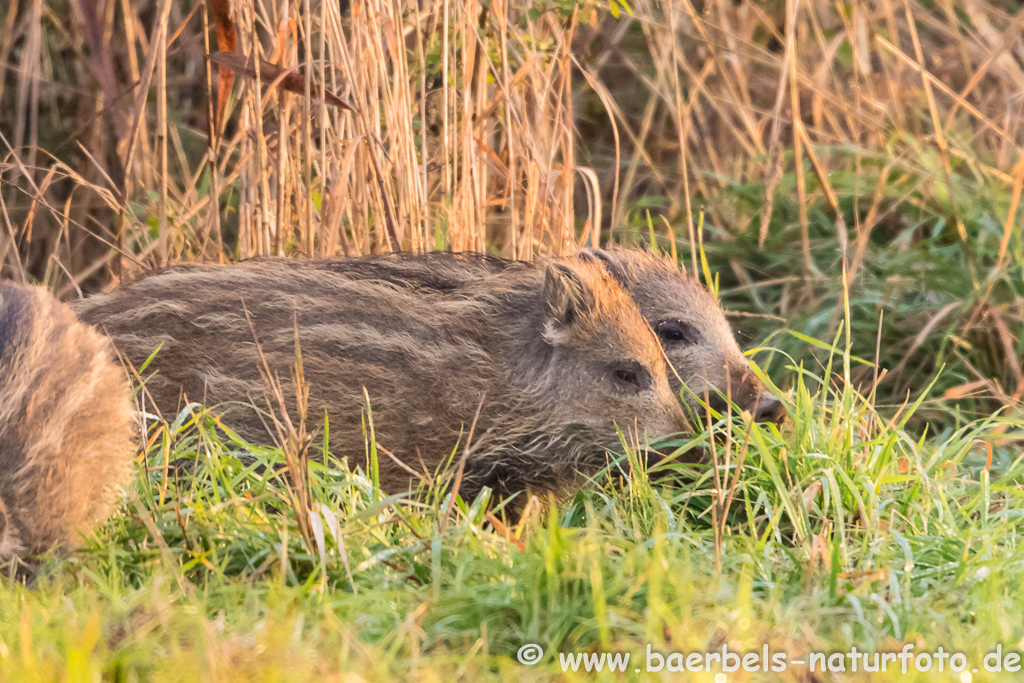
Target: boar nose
769,409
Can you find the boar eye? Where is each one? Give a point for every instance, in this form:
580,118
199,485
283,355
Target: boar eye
630,376
626,376
677,332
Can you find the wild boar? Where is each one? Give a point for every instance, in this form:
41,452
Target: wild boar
704,358
544,365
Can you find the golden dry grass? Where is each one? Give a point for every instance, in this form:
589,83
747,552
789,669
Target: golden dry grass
523,128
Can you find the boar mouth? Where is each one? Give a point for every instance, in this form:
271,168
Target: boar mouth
762,406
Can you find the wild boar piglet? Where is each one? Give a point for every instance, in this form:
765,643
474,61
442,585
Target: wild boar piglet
543,364
704,358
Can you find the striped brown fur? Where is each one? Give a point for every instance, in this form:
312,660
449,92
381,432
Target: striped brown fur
554,357
66,424
698,341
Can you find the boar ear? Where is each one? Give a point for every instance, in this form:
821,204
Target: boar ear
567,299
603,258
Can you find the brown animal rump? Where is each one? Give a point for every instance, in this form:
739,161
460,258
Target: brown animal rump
66,417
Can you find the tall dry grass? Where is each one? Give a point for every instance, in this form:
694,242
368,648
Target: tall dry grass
461,134
466,120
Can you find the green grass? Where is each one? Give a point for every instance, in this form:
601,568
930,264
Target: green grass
844,530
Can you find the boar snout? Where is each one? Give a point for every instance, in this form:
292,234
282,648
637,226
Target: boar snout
770,409
750,394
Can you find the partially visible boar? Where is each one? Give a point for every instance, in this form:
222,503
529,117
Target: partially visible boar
698,341
66,431
542,363
692,328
